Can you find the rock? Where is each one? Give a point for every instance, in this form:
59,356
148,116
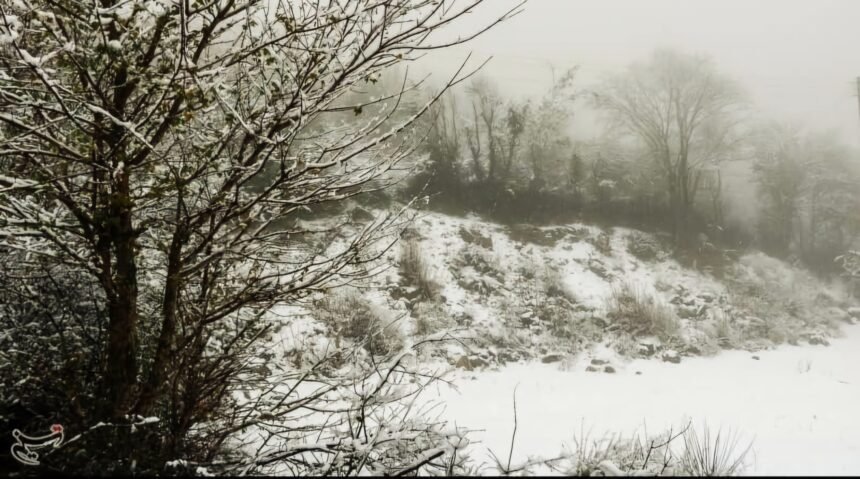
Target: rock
638,373
671,356
687,311
360,214
527,318
472,236
591,369
551,358
598,268
707,297
693,350
756,358
409,293
463,319
470,363
599,322
818,339
609,369
646,349
599,362
508,356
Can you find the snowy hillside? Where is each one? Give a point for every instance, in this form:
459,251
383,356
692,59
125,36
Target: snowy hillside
524,292
605,334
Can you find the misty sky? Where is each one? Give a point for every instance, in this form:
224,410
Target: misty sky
798,59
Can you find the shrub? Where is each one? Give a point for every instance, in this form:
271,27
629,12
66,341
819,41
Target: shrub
723,331
430,317
651,456
625,345
644,246
602,243
617,455
415,270
703,457
482,260
640,314
554,285
348,315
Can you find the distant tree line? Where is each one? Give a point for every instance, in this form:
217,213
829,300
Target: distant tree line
673,126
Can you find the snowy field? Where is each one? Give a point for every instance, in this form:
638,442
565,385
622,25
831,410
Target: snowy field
800,404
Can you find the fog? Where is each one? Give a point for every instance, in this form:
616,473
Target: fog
797,59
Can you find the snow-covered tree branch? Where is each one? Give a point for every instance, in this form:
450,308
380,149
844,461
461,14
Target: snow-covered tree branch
163,149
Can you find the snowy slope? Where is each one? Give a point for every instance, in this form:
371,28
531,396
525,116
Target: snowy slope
578,374
491,278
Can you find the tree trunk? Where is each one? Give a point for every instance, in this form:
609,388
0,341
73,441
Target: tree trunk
164,349
121,372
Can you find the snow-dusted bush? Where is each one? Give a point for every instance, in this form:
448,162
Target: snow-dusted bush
637,312
430,317
415,270
706,456
723,331
775,301
672,453
348,315
644,246
481,260
48,346
554,285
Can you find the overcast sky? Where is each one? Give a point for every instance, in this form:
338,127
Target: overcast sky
798,59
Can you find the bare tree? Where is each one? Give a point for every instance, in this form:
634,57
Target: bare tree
782,172
545,137
807,182
159,148
497,126
444,144
668,103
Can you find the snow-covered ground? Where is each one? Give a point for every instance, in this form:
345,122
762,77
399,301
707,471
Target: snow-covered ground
800,404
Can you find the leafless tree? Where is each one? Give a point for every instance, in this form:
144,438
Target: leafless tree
496,126
668,103
807,182
159,148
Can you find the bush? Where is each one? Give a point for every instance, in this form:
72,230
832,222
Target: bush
348,315
430,317
415,271
724,332
644,246
481,259
48,352
706,458
554,285
656,456
640,314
